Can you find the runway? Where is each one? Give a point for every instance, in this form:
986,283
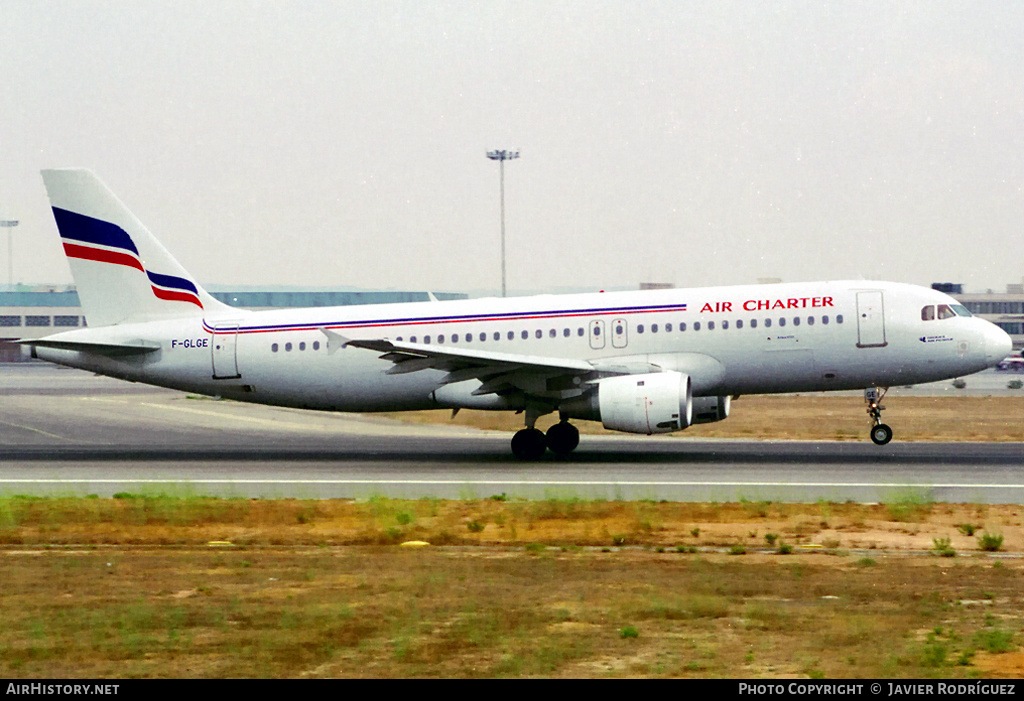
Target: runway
67,432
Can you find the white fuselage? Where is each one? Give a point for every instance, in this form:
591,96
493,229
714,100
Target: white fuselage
730,340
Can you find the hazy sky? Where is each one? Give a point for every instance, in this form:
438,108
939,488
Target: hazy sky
342,143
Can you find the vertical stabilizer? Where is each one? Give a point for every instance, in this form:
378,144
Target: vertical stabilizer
123,274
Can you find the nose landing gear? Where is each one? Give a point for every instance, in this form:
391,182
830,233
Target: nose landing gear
880,433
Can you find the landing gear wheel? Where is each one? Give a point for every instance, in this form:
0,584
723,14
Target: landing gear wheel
529,444
562,438
881,434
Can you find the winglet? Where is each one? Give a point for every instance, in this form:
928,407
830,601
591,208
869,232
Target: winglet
334,340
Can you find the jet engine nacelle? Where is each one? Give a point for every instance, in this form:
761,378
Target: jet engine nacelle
707,410
659,402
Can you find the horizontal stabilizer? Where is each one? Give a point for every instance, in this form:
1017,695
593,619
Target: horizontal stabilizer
109,349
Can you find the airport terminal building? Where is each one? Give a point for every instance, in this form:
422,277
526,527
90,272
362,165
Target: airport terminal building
29,311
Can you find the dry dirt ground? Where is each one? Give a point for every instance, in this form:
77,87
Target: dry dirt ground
170,587
816,417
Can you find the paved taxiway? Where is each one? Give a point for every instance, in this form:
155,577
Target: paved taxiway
68,432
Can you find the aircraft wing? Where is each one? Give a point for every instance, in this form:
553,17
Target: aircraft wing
497,371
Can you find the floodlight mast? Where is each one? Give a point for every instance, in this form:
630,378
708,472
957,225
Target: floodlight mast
9,224
501,156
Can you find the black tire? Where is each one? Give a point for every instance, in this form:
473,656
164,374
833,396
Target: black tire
562,438
529,444
881,434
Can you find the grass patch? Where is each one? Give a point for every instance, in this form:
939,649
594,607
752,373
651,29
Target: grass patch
943,548
990,542
994,640
909,505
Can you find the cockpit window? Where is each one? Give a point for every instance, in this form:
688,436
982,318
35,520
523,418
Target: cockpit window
946,311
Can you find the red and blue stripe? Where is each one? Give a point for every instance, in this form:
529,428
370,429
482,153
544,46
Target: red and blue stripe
368,323
88,238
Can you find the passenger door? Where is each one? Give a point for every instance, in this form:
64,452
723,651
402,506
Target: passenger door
870,319
224,347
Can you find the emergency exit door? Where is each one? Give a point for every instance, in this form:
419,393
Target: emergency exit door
620,333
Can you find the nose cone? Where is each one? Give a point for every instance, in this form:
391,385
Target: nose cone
997,344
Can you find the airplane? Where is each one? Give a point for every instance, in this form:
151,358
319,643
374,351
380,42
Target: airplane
644,362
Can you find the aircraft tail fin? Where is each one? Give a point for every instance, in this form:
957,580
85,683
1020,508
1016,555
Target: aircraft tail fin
123,274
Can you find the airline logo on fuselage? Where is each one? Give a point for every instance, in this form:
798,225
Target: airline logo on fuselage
755,305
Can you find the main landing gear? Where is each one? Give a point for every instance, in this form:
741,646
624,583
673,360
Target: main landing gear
530,443
880,433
